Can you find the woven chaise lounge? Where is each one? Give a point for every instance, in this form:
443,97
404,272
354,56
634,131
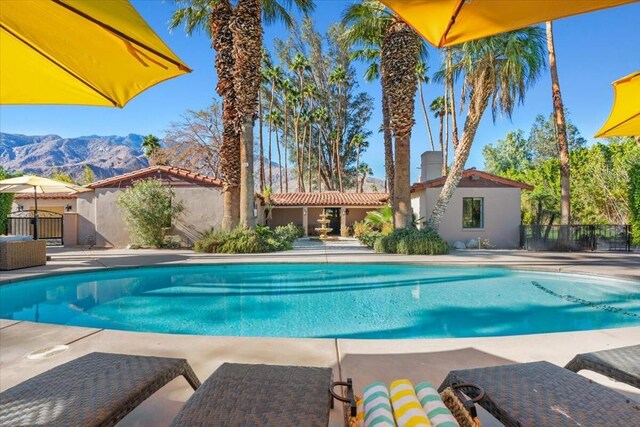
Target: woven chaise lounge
22,254
622,364
98,389
260,395
541,394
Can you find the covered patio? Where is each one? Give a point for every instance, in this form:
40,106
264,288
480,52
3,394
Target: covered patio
304,209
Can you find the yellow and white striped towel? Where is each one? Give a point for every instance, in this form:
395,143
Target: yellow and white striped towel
406,407
438,413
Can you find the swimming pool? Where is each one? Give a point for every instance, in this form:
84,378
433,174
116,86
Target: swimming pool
326,300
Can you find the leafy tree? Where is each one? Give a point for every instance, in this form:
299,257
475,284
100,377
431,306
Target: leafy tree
499,69
542,138
59,175
87,175
148,209
634,202
513,152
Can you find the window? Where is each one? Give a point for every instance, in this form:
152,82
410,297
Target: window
472,212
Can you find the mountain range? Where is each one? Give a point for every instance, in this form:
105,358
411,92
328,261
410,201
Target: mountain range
107,156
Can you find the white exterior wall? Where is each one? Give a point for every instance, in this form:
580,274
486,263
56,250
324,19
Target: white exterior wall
502,216
100,219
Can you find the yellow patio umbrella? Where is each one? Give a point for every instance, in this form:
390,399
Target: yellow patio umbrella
449,22
79,52
624,119
37,185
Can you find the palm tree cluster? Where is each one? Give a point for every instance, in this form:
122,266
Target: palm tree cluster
313,115
236,33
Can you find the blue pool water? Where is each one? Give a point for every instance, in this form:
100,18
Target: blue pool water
326,300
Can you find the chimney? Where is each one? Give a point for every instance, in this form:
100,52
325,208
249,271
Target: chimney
431,165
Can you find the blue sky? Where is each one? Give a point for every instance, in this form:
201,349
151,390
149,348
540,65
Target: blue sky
592,51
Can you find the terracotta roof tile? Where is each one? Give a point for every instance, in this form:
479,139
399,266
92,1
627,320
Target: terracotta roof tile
329,198
141,173
48,196
439,182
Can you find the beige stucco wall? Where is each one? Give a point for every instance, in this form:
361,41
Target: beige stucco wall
100,219
70,228
501,215
284,216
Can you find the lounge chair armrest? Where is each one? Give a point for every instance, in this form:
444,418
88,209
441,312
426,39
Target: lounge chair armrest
350,399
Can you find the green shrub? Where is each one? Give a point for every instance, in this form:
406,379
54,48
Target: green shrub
369,238
249,240
361,227
6,199
148,210
410,241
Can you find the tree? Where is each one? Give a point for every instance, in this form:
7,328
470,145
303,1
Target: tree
634,202
513,152
237,52
87,175
423,78
561,129
59,175
400,50
196,140
499,68
6,200
148,210
543,141
151,145
358,141
338,77
437,107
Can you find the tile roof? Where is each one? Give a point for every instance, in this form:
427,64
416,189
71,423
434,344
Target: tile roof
329,198
142,173
43,196
439,182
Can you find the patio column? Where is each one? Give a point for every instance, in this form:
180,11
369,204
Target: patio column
343,219
305,220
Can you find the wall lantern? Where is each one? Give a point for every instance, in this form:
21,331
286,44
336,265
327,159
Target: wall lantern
68,208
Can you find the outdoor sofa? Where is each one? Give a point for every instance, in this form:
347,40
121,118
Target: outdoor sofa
17,252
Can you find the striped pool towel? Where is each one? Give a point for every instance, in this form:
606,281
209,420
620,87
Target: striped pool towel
406,406
377,407
438,414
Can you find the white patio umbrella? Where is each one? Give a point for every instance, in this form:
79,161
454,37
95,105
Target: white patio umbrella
28,184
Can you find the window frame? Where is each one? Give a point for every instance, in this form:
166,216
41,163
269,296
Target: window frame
481,226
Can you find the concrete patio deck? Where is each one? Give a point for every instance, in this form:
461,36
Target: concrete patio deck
363,360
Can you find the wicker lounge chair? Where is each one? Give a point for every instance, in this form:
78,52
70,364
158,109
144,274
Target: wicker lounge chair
260,395
621,364
98,389
541,394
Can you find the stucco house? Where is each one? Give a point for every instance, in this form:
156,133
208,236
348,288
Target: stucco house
484,206
304,209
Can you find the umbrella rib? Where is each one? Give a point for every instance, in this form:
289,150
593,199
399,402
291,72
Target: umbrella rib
121,34
451,22
62,67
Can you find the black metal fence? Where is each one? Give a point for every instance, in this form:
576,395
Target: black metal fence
48,226
615,238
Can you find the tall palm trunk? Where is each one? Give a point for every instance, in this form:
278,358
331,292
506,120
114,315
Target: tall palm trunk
563,146
286,146
388,140
230,150
426,116
452,103
261,144
445,153
247,36
357,166
400,57
338,139
279,158
479,100
271,102
319,178
309,170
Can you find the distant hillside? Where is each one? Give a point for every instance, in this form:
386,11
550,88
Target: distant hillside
107,156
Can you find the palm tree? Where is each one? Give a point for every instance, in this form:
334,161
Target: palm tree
287,90
320,116
499,69
276,120
368,22
237,38
423,78
563,145
338,78
400,52
358,142
273,74
365,170
151,145
437,107
299,65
